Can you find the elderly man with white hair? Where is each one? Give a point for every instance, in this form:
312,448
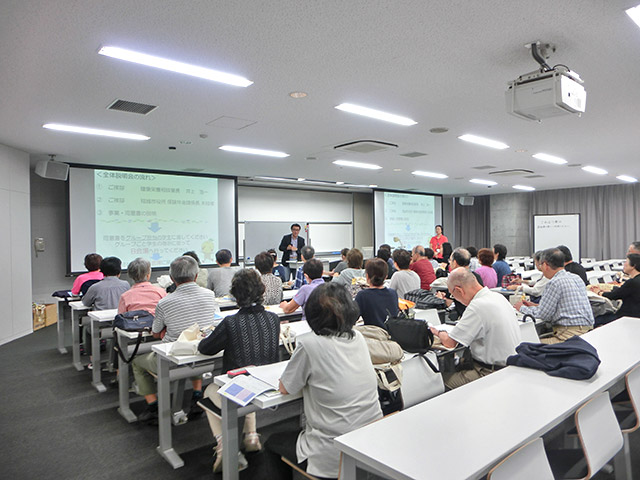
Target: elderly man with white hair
488,327
176,312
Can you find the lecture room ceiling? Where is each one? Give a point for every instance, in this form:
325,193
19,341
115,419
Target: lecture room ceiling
440,63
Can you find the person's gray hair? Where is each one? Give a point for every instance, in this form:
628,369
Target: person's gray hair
553,257
419,250
307,252
183,269
461,256
537,256
139,269
461,277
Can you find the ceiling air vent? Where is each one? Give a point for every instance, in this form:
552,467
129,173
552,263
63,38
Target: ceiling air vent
413,154
365,146
534,176
514,172
131,107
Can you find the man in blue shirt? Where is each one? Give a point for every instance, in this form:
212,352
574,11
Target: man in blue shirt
307,253
499,265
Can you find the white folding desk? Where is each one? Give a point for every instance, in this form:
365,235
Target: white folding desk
470,429
99,319
61,304
77,312
227,302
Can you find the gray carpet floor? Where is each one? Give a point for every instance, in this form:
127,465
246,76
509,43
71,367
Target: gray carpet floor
54,424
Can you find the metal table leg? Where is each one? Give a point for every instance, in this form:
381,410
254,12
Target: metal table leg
165,449
75,334
230,439
60,327
123,384
95,352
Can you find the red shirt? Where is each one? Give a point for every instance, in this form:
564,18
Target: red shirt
424,269
77,284
142,296
436,245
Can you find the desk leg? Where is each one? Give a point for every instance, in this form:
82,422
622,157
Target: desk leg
179,417
95,352
60,327
123,385
75,334
230,439
165,449
347,468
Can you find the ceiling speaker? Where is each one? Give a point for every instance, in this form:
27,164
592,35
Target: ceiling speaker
466,201
52,169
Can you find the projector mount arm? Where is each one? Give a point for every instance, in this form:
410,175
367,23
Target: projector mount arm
540,53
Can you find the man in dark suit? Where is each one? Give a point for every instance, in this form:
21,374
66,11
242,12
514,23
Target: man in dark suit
291,246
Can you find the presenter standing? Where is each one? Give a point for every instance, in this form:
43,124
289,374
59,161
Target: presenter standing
436,242
291,246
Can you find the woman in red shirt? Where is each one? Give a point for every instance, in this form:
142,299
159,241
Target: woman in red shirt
436,242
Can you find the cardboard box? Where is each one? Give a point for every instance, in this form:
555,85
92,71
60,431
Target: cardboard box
50,314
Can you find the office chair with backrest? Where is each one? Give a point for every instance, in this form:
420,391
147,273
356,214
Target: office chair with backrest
600,438
632,379
529,462
419,382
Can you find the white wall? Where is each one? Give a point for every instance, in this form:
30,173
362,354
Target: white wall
15,281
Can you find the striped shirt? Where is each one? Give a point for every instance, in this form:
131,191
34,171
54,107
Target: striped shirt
273,289
564,302
179,310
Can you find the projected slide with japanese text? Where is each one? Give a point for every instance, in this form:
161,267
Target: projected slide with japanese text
409,219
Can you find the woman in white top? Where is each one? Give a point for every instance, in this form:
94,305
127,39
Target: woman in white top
332,367
354,268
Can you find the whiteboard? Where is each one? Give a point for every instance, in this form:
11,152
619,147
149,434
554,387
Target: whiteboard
261,236
330,238
550,231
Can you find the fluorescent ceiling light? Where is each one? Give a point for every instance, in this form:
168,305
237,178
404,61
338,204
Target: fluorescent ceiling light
482,182
349,163
634,14
627,178
483,141
253,151
301,179
174,66
373,186
94,131
429,174
524,187
339,183
549,158
377,114
596,170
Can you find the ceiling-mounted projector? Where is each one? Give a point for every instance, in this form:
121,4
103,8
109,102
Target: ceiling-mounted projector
547,92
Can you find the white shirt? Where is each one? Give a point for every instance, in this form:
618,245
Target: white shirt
489,328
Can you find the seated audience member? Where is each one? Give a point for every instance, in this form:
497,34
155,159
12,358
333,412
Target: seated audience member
142,295
278,270
501,267
176,312
534,289
422,266
447,249
389,260
203,273
273,285
354,268
564,304
488,327
473,251
385,255
634,248
488,274
429,253
460,258
105,294
571,266
92,264
377,301
220,278
343,263
332,367
628,292
312,270
307,253
404,280
250,337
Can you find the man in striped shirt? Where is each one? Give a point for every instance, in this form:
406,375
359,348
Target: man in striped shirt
564,303
176,312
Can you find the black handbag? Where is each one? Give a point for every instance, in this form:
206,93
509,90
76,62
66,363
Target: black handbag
135,321
414,336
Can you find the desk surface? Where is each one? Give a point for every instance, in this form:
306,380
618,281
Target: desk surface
78,305
103,315
470,429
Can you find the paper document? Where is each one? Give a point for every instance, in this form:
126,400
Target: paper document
243,388
443,326
269,374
